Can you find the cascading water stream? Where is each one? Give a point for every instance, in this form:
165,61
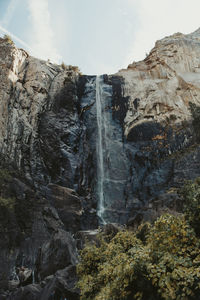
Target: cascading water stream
104,152
100,157
112,162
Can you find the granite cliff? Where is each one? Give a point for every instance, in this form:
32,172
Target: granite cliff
56,142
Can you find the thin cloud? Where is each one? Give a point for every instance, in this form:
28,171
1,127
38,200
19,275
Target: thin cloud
9,13
42,36
158,19
15,38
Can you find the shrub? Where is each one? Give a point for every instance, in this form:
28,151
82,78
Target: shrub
174,250
64,66
74,68
7,203
142,231
191,203
8,39
5,178
107,271
164,265
70,67
195,111
4,175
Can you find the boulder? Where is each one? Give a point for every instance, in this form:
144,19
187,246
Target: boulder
29,292
61,286
57,253
68,205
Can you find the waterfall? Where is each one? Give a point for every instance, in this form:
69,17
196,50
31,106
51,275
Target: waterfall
104,141
112,161
99,147
33,276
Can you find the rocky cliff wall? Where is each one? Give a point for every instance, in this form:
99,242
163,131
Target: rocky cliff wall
164,83
48,141
158,126
29,88
39,128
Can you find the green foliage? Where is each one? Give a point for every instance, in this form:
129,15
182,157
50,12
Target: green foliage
143,231
4,176
171,232
8,39
195,111
191,199
174,250
106,271
7,203
165,264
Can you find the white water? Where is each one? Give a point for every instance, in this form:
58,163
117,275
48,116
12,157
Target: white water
33,276
112,162
100,159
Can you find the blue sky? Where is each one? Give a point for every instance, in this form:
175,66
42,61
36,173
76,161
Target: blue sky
100,36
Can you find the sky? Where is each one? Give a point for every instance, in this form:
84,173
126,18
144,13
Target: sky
98,36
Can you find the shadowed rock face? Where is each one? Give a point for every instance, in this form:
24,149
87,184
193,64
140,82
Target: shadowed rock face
48,142
58,253
39,138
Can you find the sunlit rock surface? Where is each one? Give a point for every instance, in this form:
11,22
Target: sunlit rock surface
161,87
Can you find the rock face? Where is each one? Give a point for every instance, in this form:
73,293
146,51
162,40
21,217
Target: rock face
39,131
36,95
158,122
49,150
161,87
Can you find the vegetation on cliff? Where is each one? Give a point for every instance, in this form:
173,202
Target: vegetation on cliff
195,112
8,39
5,201
16,206
158,261
191,195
